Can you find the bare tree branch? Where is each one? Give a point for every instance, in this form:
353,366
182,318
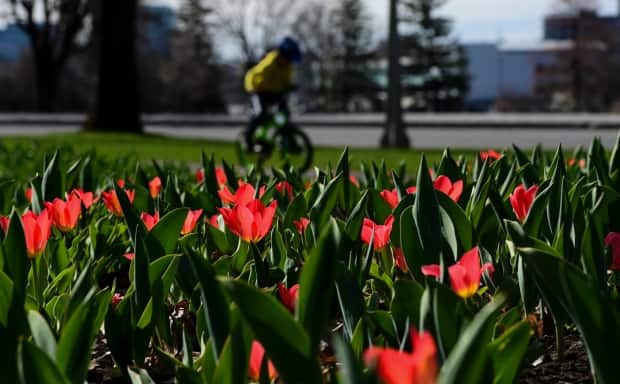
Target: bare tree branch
52,32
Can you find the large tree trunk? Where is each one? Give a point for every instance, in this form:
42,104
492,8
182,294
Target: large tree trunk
116,105
46,80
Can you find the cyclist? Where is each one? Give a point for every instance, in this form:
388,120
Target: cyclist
268,82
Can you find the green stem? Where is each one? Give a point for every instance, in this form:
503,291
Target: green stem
36,277
559,340
386,260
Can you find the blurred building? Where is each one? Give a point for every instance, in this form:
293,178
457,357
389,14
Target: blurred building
156,26
572,68
157,23
13,43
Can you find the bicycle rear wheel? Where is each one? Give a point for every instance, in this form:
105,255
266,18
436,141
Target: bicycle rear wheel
294,148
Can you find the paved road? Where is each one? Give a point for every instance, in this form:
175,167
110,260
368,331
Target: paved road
422,138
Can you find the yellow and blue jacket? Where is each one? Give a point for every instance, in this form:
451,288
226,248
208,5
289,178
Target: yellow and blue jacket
272,74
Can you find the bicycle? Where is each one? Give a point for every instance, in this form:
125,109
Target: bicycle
278,134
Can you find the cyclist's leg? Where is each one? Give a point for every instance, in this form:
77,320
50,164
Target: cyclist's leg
259,107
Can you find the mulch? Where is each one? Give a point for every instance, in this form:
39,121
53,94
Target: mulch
574,368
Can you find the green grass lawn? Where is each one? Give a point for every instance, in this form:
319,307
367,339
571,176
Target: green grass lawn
188,150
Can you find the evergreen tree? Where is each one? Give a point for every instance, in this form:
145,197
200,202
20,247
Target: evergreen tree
193,52
435,69
352,38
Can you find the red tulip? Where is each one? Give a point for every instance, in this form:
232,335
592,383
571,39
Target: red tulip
353,179
4,223
130,194
390,197
190,221
453,190
28,194
464,275
220,176
285,188
116,299
612,240
129,255
37,230
381,232
110,199
399,367
581,163
87,198
120,183
155,187
399,259
65,215
522,199
214,220
289,296
244,194
256,360
301,224
250,222
149,220
490,154
200,176
443,184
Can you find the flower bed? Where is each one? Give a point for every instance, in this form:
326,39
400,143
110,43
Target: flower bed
468,271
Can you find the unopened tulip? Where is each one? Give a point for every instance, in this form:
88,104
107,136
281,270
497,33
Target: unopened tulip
381,232
285,188
256,360
581,163
87,198
490,155
214,221
37,230
149,220
190,221
390,197
200,176
65,214
116,299
522,199
301,224
110,199
155,187
443,184
399,259
453,190
220,177
612,240
4,223
289,296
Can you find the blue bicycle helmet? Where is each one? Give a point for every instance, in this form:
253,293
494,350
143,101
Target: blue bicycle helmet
290,50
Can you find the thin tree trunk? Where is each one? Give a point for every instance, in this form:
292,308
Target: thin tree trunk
46,77
116,105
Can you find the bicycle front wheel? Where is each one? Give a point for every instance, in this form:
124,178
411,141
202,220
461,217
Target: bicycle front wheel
294,148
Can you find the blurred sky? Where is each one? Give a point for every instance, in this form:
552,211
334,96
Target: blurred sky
482,20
